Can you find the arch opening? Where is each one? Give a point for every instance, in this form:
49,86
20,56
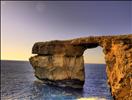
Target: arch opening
95,74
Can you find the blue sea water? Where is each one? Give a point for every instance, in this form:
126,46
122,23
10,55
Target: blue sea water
18,83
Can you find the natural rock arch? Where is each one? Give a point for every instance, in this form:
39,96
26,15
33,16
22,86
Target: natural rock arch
61,62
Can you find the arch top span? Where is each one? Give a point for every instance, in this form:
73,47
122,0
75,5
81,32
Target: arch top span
61,62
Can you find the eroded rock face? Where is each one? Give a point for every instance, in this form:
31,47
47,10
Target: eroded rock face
119,69
61,62
59,70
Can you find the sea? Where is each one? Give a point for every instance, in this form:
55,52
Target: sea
19,83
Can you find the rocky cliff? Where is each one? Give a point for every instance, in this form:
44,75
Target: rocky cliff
61,62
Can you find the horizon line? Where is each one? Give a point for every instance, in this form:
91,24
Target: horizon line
28,61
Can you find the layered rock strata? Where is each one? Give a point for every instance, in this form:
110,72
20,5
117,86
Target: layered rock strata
61,62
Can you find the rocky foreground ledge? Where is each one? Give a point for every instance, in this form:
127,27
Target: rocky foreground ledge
61,62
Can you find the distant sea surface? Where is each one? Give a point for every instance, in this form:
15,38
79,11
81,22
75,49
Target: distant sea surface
19,83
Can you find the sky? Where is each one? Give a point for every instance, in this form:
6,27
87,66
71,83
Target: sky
25,22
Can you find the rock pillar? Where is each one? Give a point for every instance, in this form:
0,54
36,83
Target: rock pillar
119,68
59,64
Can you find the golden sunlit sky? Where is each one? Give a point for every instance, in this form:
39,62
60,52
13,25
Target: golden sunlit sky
25,22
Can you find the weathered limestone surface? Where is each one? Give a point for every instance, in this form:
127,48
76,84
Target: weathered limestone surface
61,62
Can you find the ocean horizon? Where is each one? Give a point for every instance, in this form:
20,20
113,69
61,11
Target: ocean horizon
28,61
18,82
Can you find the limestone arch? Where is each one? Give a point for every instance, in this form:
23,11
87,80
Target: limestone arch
61,61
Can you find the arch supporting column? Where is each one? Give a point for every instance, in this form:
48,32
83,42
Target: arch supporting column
61,62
